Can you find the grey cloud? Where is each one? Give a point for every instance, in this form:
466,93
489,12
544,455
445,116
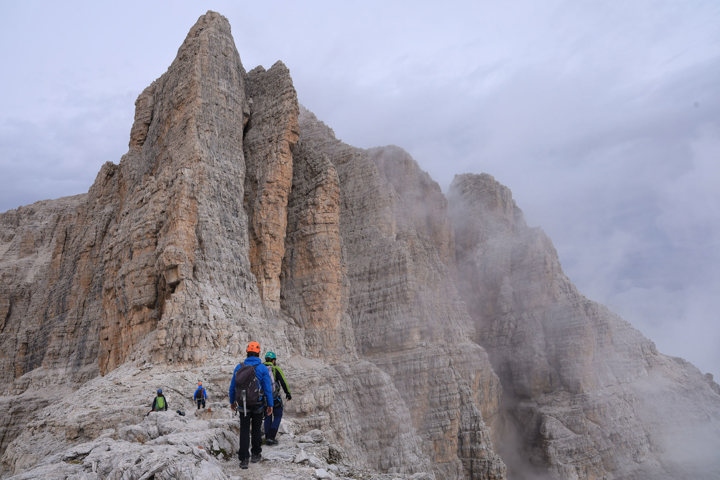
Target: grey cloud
61,156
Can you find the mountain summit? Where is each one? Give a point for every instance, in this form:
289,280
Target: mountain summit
424,336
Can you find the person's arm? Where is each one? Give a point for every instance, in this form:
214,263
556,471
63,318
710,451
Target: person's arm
283,383
266,382
232,386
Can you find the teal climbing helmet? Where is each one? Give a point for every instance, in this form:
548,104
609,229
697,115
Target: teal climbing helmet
270,355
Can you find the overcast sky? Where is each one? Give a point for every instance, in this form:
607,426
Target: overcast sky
602,117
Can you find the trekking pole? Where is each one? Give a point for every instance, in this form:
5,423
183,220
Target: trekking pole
244,403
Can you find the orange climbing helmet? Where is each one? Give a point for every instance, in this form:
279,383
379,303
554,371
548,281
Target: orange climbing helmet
254,347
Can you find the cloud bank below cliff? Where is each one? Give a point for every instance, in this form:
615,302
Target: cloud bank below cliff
602,119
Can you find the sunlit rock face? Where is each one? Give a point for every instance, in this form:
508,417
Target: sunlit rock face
422,338
584,393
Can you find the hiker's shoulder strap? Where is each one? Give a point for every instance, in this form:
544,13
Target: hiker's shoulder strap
261,369
281,379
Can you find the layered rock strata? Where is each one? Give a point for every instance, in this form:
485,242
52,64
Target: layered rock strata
405,315
268,143
313,275
225,221
576,378
31,260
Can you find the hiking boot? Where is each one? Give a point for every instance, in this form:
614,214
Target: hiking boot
244,463
270,441
256,458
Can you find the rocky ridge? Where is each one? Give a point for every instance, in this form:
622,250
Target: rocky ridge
576,377
423,336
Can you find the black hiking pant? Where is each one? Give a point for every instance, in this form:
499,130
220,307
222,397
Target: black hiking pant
255,420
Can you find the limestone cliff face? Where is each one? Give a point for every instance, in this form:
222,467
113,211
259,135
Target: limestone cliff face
123,264
270,137
414,344
30,252
180,232
228,220
407,319
576,377
313,279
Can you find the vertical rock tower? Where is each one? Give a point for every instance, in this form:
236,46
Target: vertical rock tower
234,216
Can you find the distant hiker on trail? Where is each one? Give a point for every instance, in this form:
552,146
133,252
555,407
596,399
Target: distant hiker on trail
160,402
200,396
272,422
251,395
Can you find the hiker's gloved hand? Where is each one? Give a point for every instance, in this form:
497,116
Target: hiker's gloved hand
288,396
233,406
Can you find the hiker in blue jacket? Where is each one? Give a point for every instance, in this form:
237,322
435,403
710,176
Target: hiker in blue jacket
200,396
252,408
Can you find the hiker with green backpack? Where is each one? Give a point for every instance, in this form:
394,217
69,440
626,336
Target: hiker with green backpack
251,395
160,402
272,422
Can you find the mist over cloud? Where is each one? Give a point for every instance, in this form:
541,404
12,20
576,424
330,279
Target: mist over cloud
603,118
